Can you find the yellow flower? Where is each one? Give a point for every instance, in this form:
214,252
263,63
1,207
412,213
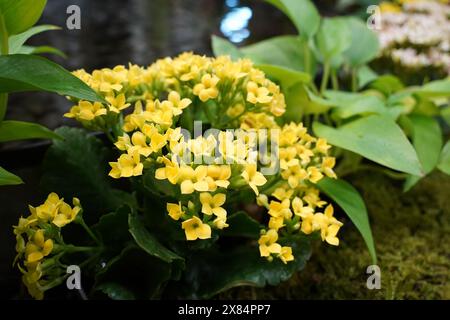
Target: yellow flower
330,234
322,146
213,204
139,141
280,209
267,244
33,288
66,213
207,89
38,248
195,229
219,176
127,165
220,223
118,103
85,110
257,94
157,140
178,103
171,171
283,193
387,7
49,209
254,178
328,164
175,210
314,174
299,209
286,255
193,180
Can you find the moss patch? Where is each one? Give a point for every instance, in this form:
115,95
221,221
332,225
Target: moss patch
412,235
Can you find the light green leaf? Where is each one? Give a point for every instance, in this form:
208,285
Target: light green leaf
40,50
349,199
365,76
350,104
20,72
444,162
302,13
223,47
445,113
148,242
18,130
20,15
16,42
300,102
8,179
286,77
434,89
377,138
284,51
332,40
427,140
364,43
387,84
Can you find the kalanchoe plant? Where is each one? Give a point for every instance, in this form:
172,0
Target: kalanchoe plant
196,206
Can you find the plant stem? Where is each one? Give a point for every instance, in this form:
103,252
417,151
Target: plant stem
5,50
325,77
307,58
89,231
334,80
354,80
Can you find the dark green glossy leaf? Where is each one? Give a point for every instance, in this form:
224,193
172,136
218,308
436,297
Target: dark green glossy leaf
21,72
78,167
8,179
148,242
242,225
18,130
211,272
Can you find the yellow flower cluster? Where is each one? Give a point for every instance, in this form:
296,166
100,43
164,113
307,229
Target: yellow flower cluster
35,241
294,203
203,171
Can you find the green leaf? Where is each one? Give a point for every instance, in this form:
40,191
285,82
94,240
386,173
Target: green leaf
78,167
135,275
16,42
8,179
364,43
444,162
365,76
148,242
18,130
377,138
242,225
427,140
351,104
222,47
116,291
300,102
20,72
387,85
349,199
302,13
445,113
20,15
438,88
284,51
286,77
213,271
41,49
333,39
117,221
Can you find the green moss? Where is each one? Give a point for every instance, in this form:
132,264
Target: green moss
412,234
